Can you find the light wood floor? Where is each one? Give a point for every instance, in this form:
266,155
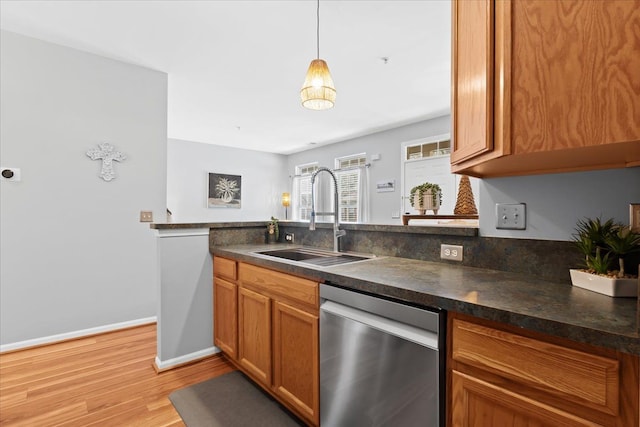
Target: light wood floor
105,380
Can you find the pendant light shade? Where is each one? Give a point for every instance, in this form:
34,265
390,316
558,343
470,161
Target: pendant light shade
318,91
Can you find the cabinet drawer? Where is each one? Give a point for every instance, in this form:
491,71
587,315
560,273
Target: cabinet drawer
226,268
288,287
565,373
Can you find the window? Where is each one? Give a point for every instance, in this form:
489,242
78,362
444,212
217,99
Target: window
302,191
351,161
351,194
352,181
438,146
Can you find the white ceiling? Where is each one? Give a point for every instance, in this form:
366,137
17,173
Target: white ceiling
236,67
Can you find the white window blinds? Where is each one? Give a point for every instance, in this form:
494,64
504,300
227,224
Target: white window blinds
301,199
348,194
353,188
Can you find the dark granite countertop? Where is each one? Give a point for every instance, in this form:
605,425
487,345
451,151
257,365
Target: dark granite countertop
552,308
388,228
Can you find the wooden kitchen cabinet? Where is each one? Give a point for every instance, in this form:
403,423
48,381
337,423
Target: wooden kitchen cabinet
485,404
254,330
542,86
292,351
504,376
225,312
295,357
277,332
225,306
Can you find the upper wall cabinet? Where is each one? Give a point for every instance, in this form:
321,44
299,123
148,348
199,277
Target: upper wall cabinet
543,86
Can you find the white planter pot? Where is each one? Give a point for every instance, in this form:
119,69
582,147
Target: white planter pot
604,285
426,203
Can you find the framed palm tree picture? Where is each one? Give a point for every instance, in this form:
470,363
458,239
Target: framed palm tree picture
225,191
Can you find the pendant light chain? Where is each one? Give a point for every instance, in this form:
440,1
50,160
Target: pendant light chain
318,30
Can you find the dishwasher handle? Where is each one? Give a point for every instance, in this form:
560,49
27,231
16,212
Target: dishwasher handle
402,330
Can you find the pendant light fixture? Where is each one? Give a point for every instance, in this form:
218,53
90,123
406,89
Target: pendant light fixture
318,92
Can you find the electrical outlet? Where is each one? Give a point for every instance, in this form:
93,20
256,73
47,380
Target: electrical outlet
451,252
511,216
146,216
289,237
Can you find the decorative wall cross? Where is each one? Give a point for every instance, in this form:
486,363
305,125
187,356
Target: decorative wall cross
107,154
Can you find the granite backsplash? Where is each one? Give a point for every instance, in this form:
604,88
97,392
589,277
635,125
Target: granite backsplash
546,259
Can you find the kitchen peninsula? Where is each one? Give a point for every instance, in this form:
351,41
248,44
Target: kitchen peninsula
533,302
547,307
521,319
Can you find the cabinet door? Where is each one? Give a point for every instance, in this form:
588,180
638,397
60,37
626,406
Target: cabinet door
476,403
296,353
544,86
576,74
254,330
225,312
472,89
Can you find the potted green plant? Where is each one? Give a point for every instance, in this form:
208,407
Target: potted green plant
426,196
273,233
605,245
622,242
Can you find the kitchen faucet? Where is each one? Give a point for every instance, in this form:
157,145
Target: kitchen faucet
337,233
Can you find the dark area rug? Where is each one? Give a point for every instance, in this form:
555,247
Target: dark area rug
230,400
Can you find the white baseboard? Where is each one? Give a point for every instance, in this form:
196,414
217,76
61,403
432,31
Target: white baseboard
187,358
76,334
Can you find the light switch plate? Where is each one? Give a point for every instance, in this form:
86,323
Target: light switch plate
511,216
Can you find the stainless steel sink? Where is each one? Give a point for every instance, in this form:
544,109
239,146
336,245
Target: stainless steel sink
315,256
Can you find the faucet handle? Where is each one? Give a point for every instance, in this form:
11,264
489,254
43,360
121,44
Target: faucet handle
340,233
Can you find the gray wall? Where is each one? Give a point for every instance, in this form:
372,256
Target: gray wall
188,164
554,202
387,144
74,255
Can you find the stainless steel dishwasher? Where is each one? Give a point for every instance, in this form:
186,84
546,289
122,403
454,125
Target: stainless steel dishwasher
381,362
